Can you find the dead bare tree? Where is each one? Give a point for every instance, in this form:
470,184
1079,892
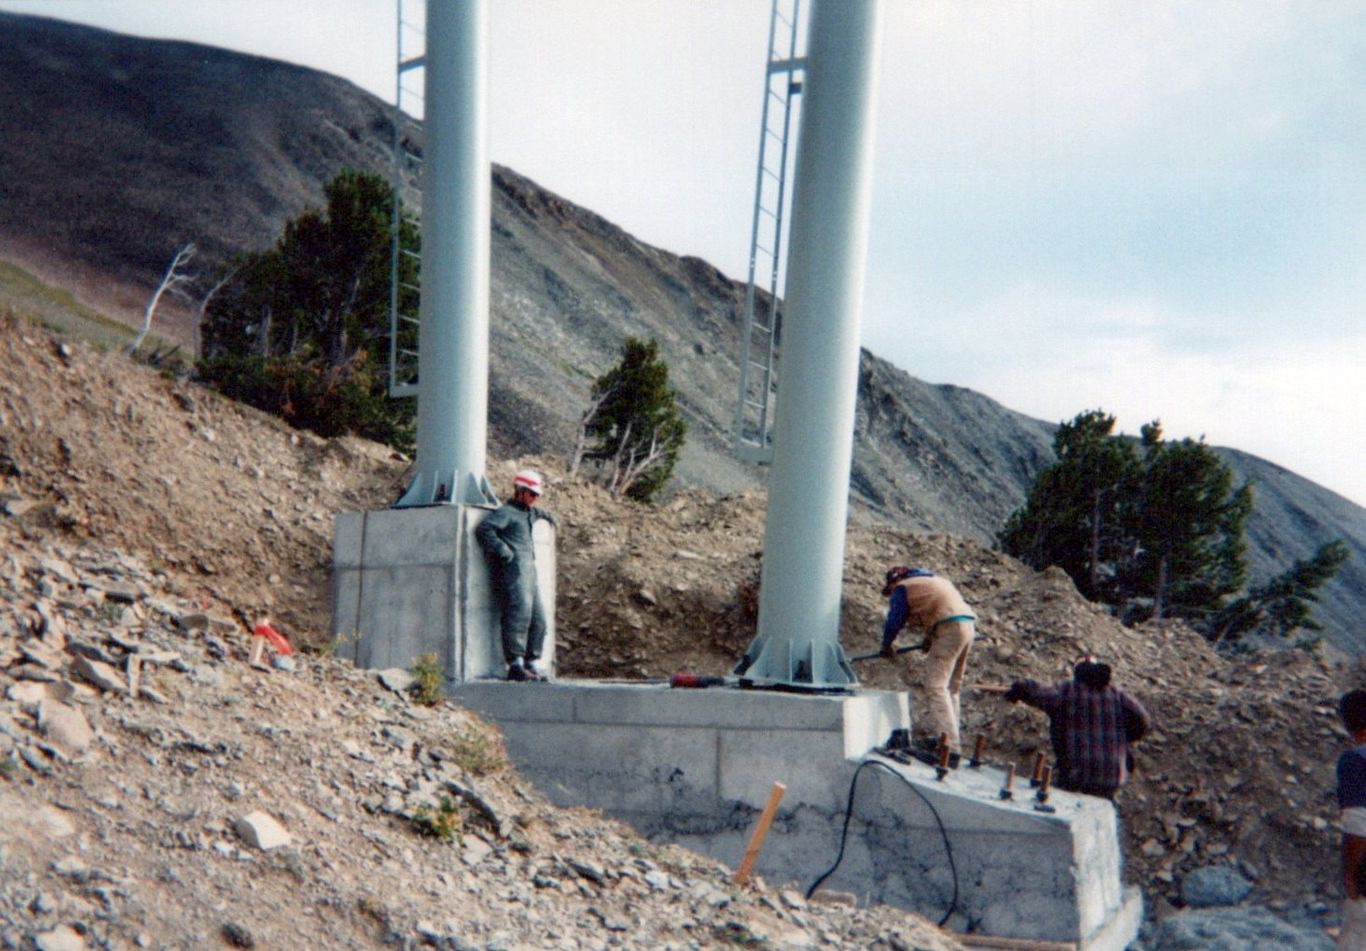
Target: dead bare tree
174,277
585,424
203,306
637,461
614,476
632,430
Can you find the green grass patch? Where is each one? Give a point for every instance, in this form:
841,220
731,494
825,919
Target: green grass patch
477,748
430,677
26,297
443,822
29,297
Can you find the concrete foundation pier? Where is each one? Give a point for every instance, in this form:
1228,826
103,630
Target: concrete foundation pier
414,581
694,767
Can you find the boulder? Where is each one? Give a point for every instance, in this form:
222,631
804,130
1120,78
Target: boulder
260,830
1233,929
100,674
64,726
1214,886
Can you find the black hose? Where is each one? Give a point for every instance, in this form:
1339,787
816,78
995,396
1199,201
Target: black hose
844,833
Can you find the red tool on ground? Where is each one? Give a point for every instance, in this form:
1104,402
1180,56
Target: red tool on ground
261,634
683,679
276,639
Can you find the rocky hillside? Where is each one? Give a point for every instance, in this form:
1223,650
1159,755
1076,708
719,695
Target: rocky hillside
159,792
114,151
146,517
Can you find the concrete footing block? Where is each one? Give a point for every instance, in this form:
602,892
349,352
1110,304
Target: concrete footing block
695,767
413,581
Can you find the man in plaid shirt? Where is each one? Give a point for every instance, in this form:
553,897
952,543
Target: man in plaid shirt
1091,725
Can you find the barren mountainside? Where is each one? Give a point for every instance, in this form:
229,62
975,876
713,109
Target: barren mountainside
117,150
145,522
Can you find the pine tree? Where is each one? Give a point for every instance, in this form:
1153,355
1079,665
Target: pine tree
302,328
1153,528
1072,515
634,424
1186,522
1284,604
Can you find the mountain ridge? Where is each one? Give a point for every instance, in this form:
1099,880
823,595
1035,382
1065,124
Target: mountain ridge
145,144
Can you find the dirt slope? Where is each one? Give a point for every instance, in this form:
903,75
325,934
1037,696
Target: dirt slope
217,805
142,522
229,510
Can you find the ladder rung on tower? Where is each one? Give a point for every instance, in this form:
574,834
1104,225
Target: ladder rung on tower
752,439
405,264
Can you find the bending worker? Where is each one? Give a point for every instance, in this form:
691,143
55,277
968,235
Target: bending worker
505,536
1091,724
933,605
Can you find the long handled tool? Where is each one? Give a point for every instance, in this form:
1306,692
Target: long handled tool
696,681
922,646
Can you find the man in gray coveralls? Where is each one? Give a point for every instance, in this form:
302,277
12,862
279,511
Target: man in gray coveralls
505,536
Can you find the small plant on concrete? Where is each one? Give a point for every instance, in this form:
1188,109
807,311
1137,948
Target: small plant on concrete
443,822
427,688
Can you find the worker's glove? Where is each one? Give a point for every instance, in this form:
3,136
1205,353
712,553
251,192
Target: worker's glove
1015,694
888,651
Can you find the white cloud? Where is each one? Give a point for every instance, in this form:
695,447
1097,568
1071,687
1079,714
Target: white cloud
1290,401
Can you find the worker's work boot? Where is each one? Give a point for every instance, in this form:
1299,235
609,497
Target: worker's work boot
534,673
518,673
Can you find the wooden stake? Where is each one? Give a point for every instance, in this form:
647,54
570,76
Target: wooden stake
756,838
134,668
258,648
989,688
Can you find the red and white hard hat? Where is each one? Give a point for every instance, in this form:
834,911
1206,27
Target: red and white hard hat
530,480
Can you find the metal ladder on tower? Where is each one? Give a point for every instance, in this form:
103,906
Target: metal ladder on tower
752,439
405,264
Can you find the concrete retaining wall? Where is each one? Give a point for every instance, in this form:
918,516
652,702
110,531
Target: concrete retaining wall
695,767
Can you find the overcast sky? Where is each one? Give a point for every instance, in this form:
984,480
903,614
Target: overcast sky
1155,208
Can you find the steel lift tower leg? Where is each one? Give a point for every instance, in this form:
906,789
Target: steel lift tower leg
411,580
453,348
799,600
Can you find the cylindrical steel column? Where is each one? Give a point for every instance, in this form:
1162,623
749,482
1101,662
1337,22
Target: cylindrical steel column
453,344
799,601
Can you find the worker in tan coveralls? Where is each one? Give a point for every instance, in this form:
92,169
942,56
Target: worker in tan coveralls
933,605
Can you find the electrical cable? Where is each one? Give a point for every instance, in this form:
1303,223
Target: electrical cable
844,834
